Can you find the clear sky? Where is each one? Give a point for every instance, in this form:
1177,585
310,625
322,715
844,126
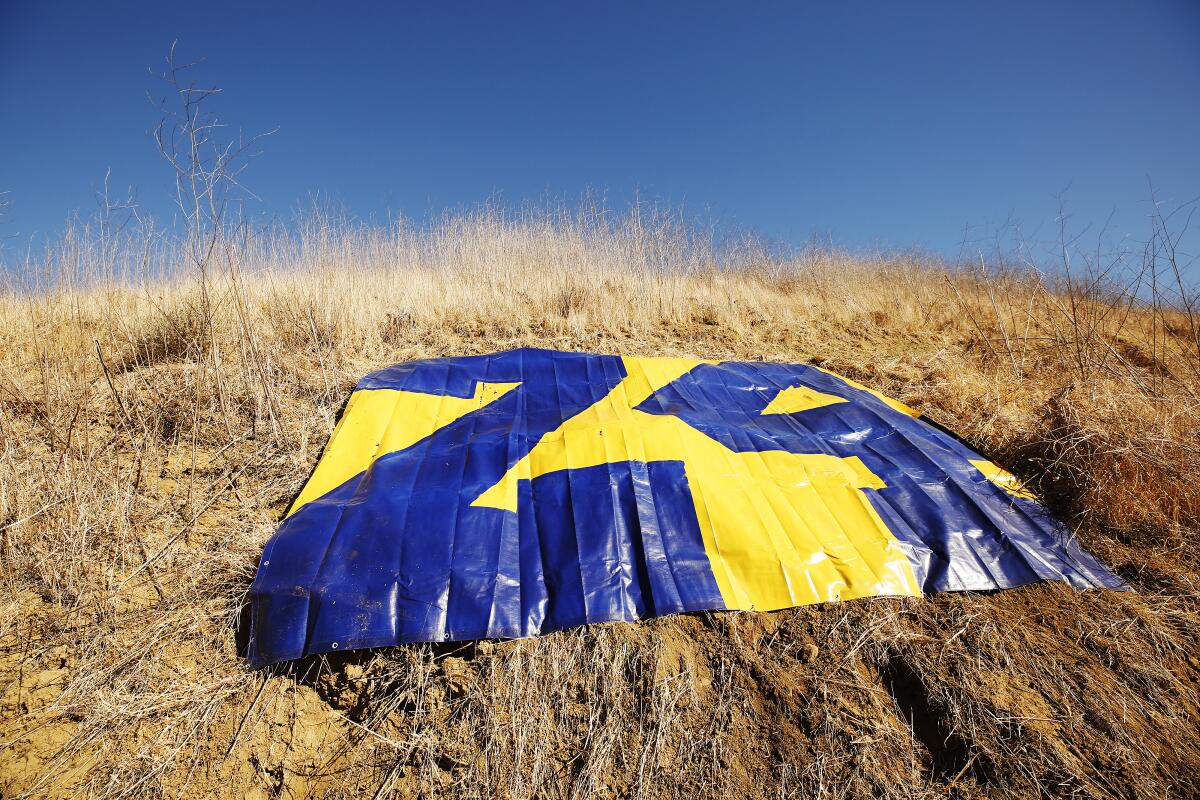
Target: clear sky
878,124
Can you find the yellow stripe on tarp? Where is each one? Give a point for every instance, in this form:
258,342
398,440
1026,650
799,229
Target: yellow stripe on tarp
381,421
1003,478
780,529
795,399
891,401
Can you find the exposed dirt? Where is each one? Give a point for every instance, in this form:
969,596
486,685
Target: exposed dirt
978,695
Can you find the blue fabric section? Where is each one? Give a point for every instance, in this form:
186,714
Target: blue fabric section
398,554
961,530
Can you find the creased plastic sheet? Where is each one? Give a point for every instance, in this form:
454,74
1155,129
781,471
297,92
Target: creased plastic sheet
523,492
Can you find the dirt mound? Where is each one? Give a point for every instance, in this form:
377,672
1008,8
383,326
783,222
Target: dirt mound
134,503
1041,689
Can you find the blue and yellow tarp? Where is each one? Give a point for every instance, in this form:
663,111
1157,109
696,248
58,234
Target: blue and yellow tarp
523,492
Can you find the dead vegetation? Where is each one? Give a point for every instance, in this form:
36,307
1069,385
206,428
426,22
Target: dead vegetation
155,424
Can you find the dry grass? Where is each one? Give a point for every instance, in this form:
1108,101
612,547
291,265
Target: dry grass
154,424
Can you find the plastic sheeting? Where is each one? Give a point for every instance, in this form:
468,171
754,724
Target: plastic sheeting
523,492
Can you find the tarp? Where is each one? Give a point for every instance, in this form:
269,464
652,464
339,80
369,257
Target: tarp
522,492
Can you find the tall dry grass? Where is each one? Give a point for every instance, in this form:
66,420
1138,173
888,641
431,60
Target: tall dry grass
161,401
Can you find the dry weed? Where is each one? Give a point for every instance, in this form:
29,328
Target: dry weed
155,426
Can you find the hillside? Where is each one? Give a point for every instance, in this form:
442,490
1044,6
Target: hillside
155,426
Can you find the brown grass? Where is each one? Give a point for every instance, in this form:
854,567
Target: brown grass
154,424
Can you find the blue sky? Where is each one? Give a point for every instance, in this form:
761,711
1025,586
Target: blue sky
877,124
